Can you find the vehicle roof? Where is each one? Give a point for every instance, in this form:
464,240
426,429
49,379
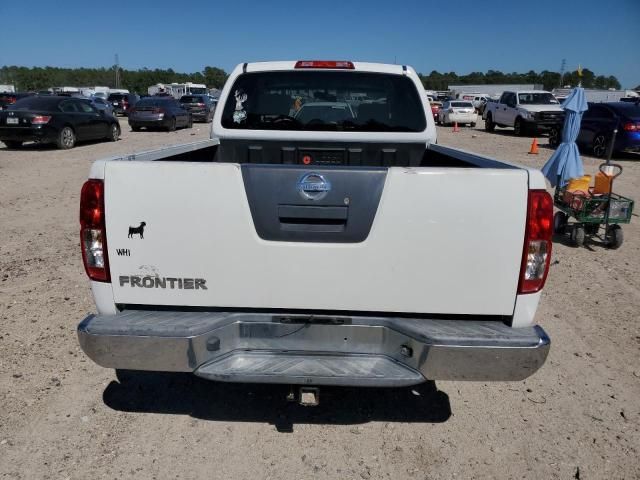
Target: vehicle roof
40,102
290,64
50,98
626,108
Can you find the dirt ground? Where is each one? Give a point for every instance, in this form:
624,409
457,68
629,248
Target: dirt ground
63,417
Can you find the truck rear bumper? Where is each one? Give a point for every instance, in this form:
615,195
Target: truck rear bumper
313,349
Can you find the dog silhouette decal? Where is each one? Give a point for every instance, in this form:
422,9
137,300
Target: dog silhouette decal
137,230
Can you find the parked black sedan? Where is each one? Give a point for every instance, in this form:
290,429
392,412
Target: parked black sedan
55,119
598,123
159,112
201,107
122,102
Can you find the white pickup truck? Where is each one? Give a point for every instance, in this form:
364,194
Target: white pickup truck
339,247
525,111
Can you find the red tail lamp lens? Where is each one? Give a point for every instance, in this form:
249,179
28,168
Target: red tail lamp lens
536,255
93,238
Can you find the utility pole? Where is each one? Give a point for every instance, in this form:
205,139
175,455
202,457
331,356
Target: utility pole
563,67
117,68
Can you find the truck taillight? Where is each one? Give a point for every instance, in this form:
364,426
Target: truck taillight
93,238
537,242
631,127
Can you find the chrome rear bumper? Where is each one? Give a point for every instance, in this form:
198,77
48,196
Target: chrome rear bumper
316,350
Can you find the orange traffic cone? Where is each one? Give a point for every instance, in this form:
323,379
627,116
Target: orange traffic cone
534,147
456,128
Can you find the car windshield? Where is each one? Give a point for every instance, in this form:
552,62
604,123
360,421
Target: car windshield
116,96
324,100
537,99
191,99
462,104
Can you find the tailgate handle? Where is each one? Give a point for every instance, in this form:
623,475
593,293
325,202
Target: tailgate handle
303,218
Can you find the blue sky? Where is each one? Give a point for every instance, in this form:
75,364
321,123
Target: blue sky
460,36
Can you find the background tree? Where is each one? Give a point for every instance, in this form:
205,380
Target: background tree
40,78
550,80
214,77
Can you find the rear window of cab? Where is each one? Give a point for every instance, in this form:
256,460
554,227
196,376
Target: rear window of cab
324,100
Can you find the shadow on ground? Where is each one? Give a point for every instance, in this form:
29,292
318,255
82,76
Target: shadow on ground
186,394
42,147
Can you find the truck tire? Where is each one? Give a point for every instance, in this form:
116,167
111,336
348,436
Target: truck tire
489,126
66,139
518,127
554,137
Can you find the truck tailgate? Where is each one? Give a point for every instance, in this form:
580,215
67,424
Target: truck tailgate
438,240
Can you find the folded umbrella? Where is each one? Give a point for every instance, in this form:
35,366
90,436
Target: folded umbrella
565,163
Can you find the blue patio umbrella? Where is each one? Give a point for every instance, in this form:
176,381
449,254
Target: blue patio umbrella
565,163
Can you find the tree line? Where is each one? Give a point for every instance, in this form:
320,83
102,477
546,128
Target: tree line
40,78
550,80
